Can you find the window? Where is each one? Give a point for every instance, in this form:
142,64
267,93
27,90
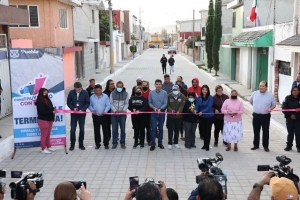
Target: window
33,15
284,68
233,19
63,18
203,31
93,16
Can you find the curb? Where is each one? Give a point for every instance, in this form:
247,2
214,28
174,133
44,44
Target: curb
280,127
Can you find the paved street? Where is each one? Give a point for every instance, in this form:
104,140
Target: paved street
107,171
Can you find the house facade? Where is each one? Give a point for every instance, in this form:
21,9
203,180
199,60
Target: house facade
253,56
87,36
51,25
8,16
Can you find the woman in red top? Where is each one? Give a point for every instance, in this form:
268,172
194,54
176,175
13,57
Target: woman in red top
145,93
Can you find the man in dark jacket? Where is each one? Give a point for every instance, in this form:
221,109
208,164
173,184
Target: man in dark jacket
179,78
119,104
78,100
138,83
91,88
171,62
163,62
110,86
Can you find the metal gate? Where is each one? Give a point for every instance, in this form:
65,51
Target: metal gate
5,89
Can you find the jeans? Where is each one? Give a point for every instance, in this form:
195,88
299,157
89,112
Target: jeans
218,123
97,122
45,127
80,118
173,129
164,68
205,130
157,119
293,128
116,121
261,121
189,129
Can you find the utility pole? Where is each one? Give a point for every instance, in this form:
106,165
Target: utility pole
193,35
140,35
112,64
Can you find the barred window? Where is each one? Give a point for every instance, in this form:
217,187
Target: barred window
63,18
33,15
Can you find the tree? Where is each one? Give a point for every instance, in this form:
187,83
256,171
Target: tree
209,35
104,25
164,35
217,35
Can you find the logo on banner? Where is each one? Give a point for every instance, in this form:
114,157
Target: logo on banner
14,53
34,86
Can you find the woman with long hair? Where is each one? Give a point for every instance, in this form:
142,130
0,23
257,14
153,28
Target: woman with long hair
204,109
67,191
46,113
233,109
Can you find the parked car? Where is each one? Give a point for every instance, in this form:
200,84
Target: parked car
166,46
151,46
172,50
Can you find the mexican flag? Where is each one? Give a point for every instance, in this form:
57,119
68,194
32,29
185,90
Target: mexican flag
253,13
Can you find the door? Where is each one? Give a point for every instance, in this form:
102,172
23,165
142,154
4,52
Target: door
261,66
237,64
5,89
79,62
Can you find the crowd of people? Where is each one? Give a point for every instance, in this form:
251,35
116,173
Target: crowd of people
182,107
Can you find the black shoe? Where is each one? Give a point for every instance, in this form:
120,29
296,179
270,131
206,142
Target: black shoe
82,147
106,147
187,147
298,150
225,143
215,144
288,148
114,146
193,146
71,148
123,146
142,146
203,147
135,146
149,143
254,148
152,148
207,149
0,136
97,147
161,146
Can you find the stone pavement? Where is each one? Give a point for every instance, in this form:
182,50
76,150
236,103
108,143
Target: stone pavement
107,171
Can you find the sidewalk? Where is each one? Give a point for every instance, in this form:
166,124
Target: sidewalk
6,123
277,118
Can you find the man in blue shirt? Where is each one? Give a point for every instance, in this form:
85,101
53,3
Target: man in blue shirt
99,105
158,100
78,100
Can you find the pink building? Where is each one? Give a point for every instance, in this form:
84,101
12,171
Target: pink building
50,25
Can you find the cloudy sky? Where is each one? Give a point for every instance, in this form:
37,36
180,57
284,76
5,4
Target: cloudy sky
157,13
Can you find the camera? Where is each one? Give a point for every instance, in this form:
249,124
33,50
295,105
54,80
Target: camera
77,184
18,188
210,166
281,170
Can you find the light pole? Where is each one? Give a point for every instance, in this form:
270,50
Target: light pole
140,35
193,35
112,64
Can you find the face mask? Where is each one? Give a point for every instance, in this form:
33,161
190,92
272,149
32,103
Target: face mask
45,95
191,100
119,89
139,83
145,88
233,97
175,92
138,93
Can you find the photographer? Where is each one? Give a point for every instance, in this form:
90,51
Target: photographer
30,195
208,189
282,188
67,191
148,191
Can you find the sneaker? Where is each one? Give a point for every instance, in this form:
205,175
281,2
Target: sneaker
177,146
161,146
82,147
193,146
170,147
71,148
114,146
106,147
46,151
142,146
51,149
135,146
152,148
123,146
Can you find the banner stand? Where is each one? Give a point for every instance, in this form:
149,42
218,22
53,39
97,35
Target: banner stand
15,151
